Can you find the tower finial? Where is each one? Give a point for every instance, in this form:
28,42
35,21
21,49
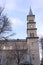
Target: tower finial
30,12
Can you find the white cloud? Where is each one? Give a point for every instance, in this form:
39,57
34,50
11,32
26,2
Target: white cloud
10,5
21,5
2,3
16,22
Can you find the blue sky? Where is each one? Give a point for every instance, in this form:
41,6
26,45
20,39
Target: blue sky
17,11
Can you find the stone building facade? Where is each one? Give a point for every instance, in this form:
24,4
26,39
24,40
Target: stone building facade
29,45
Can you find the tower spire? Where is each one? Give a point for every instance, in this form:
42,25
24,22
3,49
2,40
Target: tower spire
30,12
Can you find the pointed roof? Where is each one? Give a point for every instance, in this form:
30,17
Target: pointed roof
30,12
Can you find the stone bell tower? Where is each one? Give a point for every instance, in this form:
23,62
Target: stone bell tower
32,40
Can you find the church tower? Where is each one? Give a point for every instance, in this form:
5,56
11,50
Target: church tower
32,40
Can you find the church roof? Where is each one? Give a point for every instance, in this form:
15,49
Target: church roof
14,40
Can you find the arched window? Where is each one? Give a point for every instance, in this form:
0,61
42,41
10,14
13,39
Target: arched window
32,44
33,57
31,34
